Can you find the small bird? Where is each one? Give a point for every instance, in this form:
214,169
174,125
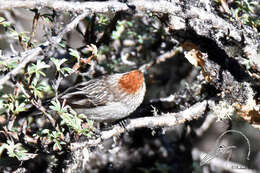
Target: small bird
108,98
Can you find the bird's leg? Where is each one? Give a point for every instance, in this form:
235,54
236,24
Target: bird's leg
123,123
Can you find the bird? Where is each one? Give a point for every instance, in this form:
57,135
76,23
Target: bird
108,98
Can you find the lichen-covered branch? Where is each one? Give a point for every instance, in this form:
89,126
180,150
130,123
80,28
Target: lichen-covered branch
91,7
183,17
164,120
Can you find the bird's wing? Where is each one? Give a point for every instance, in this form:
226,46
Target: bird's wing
88,94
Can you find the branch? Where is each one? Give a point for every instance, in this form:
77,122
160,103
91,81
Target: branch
37,104
210,119
168,55
91,7
30,55
183,17
165,120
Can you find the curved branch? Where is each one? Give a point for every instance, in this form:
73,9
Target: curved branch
165,120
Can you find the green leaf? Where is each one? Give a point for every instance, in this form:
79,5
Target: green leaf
62,44
56,106
45,131
95,50
66,70
58,63
140,39
12,64
37,69
19,107
102,19
57,146
4,23
17,150
74,53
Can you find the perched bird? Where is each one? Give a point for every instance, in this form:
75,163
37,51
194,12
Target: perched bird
108,98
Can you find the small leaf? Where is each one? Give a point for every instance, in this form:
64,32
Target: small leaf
57,146
4,23
67,70
58,63
74,53
56,106
37,68
45,131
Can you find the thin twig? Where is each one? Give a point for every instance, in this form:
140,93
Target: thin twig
34,26
43,110
161,58
168,55
31,57
37,104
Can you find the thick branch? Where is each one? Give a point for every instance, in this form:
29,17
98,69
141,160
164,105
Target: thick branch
92,7
164,120
183,17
